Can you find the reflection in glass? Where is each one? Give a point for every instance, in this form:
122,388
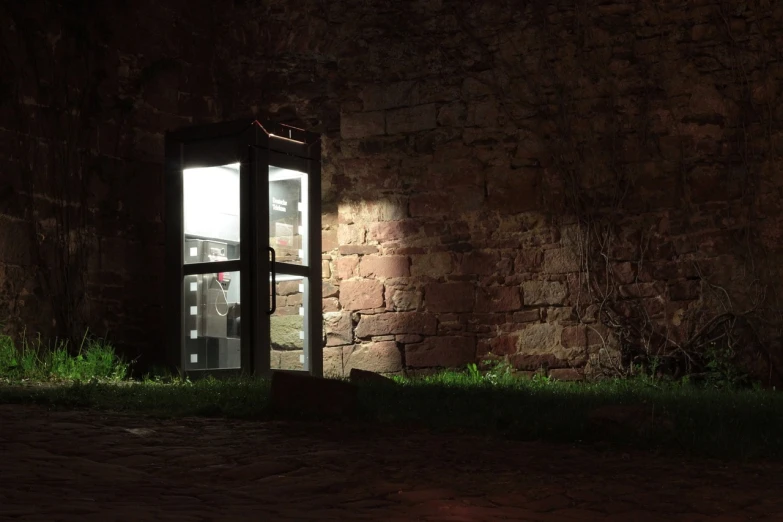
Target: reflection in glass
212,321
287,332
288,215
211,213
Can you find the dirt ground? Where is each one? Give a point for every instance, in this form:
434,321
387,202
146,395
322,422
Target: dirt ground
89,466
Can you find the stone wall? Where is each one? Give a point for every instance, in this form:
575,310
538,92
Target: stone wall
87,91
554,184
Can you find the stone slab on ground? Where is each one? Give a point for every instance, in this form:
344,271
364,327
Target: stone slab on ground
97,466
302,393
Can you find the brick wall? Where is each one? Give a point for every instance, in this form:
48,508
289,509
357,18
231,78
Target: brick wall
545,183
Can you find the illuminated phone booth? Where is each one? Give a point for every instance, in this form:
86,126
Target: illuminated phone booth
243,234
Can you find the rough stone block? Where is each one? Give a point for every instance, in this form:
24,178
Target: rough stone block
330,304
504,345
447,351
378,357
535,361
396,323
566,374
513,190
526,316
362,124
293,393
350,234
411,119
328,289
535,337
389,95
449,297
435,265
497,299
361,294
452,115
338,327
684,290
347,267
560,260
483,113
384,266
460,198
329,240
402,300
358,376
543,293
347,250
479,262
392,230
285,330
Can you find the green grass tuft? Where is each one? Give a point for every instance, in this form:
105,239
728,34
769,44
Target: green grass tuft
34,361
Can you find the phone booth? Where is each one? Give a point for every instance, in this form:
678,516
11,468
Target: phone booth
243,248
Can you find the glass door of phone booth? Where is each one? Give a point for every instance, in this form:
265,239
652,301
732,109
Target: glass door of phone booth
243,285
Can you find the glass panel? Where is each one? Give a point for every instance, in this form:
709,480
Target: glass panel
211,213
288,215
212,321
286,325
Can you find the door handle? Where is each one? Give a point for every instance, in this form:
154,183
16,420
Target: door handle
274,282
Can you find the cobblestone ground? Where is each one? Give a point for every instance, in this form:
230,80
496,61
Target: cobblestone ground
88,466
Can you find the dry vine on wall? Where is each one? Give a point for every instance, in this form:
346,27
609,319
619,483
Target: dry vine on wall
651,306
52,77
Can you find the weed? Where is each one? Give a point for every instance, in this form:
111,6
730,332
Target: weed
34,361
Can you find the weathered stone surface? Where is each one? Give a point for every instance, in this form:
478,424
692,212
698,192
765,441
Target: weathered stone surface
329,240
539,337
566,374
361,294
392,230
396,323
285,331
338,327
347,267
328,289
435,265
526,316
295,394
389,95
348,250
330,304
350,234
402,300
543,293
411,119
358,376
560,261
448,351
384,266
378,357
428,149
504,345
480,262
535,361
362,124
497,299
449,297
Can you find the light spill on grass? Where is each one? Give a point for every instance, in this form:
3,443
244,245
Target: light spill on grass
720,423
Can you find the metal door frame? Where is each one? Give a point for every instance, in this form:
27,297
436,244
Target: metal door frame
251,143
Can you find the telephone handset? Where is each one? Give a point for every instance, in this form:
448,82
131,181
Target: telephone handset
219,254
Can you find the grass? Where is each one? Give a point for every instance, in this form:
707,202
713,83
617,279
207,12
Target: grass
715,422
34,361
